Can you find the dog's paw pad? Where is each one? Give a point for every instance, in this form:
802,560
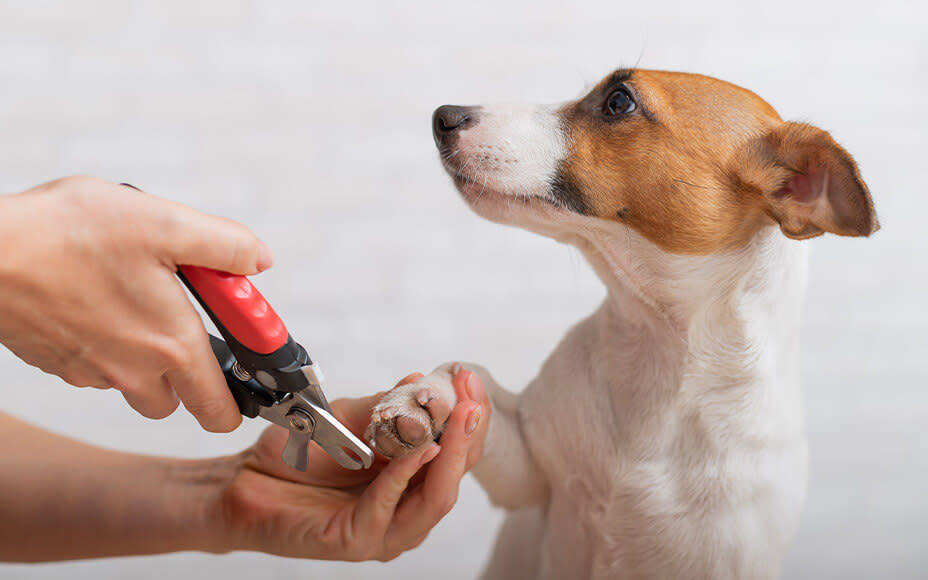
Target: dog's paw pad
408,417
411,431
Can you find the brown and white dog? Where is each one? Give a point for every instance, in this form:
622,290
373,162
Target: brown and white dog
663,438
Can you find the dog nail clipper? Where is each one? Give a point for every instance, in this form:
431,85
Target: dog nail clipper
268,372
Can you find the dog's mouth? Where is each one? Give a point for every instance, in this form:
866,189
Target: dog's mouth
477,191
478,188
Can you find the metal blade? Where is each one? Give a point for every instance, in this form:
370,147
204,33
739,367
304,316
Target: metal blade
296,451
335,438
305,420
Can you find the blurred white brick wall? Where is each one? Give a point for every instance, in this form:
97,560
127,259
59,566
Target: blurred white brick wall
309,121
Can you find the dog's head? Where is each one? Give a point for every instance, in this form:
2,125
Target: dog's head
691,164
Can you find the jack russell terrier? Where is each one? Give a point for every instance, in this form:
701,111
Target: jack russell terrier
663,437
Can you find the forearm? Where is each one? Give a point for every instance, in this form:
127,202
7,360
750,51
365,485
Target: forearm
61,499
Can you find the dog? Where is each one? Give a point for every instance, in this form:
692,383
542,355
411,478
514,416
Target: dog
663,437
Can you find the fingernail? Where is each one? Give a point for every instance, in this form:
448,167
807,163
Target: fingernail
471,386
472,421
265,256
430,454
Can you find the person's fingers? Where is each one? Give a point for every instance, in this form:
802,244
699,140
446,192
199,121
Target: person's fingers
155,401
198,381
197,239
378,503
77,372
445,474
469,386
439,491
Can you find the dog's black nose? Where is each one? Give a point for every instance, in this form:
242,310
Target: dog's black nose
448,120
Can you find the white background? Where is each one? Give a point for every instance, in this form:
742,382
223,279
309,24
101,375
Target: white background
310,122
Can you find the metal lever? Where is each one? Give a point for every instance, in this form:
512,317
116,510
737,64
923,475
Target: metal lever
296,451
302,426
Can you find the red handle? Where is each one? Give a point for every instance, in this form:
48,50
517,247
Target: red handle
238,305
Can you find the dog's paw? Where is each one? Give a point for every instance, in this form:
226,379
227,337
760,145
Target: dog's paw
414,414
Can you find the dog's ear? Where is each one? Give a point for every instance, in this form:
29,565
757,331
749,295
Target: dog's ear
807,182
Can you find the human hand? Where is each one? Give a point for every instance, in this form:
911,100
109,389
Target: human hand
334,513
89,293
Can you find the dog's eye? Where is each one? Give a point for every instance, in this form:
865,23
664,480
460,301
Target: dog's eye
620,102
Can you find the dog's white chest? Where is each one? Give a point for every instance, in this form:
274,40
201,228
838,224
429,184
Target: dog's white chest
637,477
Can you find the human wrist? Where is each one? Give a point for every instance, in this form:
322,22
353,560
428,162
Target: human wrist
160,505
195,512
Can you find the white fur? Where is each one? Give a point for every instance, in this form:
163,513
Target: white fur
511,149
663,437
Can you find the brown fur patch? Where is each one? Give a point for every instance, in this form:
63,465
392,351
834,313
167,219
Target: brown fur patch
672,169
790,165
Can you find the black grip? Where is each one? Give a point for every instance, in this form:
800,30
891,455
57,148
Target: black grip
250,395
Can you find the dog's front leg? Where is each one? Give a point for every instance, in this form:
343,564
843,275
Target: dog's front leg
411,415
